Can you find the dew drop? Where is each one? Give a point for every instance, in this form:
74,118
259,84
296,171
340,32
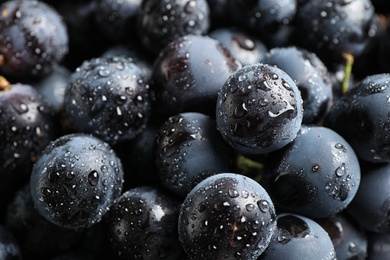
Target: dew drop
103,168
263,205
340,171
339,146
190,7
93,178
104,72
45,191
250,207
201,208
70,175
204,224
233,193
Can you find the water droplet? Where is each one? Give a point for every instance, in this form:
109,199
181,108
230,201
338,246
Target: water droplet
340,147
263,205
226,204
242,78
190,7
104,72
70,175
315,168
240,110
204,225
201,208
245,194
250,207
233,193
352,247
45,191
340,171
93,178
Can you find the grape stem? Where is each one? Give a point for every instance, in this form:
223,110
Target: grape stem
349,60
247,166
4,84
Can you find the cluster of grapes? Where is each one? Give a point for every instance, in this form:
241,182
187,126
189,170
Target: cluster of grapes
194,129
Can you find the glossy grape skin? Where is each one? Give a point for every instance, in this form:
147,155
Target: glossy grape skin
361,117
331,28
190,72
298,237
117,19
227,216
85,39
311,76
37,237
75,180
259,109
109,98
272,20
313,182
189,149
244,47
33,37
142,224
53,86
161,21
371,206
27,124
349,239
138,156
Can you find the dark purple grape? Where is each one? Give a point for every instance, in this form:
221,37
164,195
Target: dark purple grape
117,19
109,98
76,180
243,46
226,216
33,37
348,238
371,205
27,125
134,52
259,109
271,20
188,149
311,76
53,86
331,28
138,157
361,117
85,38
297,237
317,175
190,72
37,237
162,21
9,245
142,224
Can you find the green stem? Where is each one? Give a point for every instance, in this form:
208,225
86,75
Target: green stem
349,60
247,166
